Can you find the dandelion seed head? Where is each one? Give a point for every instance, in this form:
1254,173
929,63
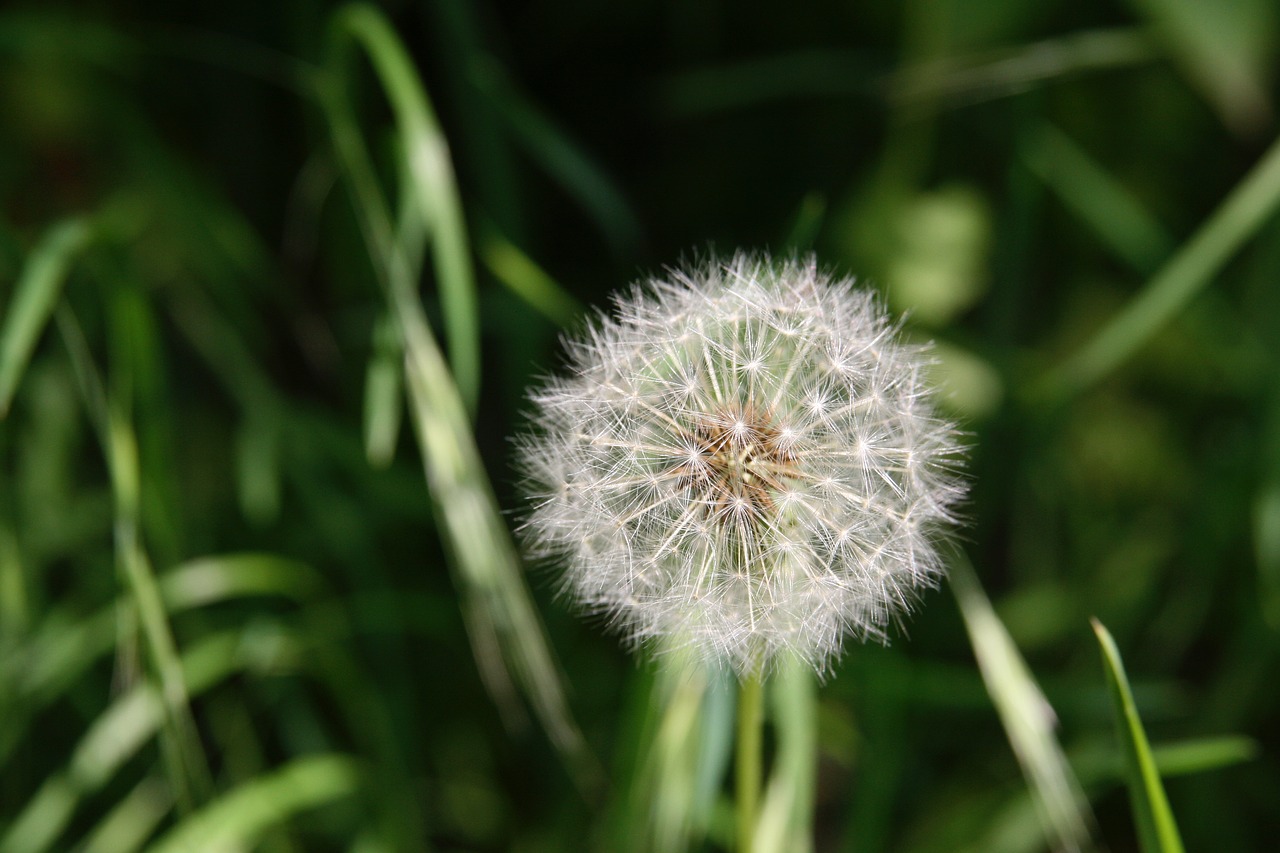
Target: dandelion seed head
742,459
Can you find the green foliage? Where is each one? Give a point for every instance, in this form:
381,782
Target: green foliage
242,607
1156,827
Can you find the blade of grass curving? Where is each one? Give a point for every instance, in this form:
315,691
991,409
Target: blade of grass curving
188,765
1185,274
238,818
121,731
1027,717
786,817
527,280
1101,202
504,625
427,153
1157,830
34,298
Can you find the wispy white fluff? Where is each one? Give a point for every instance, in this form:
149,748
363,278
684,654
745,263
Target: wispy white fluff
743,459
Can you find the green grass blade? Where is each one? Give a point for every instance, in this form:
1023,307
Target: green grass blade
433,183
34,299
188,765
1027,717
1157,831
506,632
1101,202
383,394
1203,754
237,819
1191,269
786,816
131,821
527,280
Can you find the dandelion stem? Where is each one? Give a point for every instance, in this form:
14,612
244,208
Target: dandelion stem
750,740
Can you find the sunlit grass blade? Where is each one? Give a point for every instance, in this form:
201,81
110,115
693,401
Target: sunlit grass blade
427,153
506,632
786,816
34,298
527,280
1101,201
1027,717
238,818
1157,830
683,757
1190,269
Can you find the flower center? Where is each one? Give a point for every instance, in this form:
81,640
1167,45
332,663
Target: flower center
740,462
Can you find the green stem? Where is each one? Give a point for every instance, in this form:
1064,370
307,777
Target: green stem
750,740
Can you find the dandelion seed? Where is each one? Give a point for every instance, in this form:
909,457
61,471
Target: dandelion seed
742,460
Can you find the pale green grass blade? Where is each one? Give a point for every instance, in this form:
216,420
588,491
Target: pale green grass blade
237,819
131,821
188,766
383,394
683,758
1157,830
1203,754
1101,202
505,630
786,816
123,729
523,277
1190,270
34,298
1027,717
427,153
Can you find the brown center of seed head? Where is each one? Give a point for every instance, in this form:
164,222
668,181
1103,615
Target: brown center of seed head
741,462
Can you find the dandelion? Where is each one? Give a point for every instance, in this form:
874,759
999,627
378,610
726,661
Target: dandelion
744,461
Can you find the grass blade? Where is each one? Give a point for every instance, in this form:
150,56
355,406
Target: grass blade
34,299
1157,831
786,817
1101,202
1027,716
237,819
506,632
1194,265
527,280
432,182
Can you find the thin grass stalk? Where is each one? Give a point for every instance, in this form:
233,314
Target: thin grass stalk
505,628
749,759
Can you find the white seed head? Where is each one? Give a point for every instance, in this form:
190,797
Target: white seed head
743,460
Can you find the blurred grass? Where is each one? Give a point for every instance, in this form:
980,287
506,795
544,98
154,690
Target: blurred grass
217,547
